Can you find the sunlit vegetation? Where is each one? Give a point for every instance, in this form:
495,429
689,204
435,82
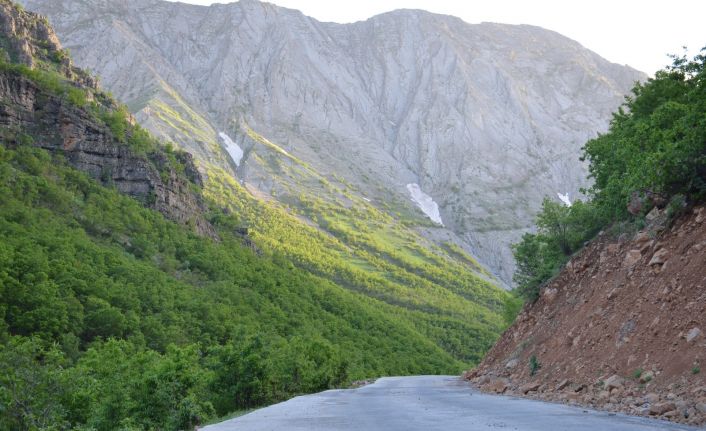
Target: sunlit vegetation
113,316
433,291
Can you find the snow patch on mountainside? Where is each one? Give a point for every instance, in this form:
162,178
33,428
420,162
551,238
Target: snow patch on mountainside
425,203
565,198
234,151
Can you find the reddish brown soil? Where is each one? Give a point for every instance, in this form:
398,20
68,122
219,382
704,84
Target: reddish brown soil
620,308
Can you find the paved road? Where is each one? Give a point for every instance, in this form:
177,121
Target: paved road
429,403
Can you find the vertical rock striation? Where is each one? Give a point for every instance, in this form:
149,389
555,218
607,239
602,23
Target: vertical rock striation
486,118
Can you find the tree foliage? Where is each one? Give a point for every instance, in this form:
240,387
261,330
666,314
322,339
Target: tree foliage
656,142
113,317
561,230
656,146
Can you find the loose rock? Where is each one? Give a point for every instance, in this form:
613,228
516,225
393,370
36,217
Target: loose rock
659,257
529,387
614,381
692,334
662,408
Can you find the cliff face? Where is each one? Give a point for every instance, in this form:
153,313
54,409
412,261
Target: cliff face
54,123
621,328
486,119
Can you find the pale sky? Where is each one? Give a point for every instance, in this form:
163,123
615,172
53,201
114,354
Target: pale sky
633,32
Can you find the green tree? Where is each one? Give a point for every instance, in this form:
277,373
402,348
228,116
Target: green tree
656,143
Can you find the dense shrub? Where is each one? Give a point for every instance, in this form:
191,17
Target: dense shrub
656,142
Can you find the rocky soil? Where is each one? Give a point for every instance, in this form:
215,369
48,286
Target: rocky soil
621,328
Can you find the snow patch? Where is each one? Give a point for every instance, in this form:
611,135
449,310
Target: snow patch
425,203
234,151
565,198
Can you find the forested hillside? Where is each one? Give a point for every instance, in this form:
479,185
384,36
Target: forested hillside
113,315
134,296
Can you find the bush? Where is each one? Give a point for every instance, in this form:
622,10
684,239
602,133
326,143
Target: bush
562,230
534,365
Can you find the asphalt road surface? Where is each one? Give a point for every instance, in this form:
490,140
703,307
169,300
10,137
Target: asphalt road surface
430,403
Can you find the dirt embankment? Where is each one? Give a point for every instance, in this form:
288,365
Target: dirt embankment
622,328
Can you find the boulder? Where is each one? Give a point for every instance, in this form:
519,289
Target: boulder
631,258
562,384
529,387
700,215
692,334
512,363
549,294
498,386
580,388
653,214
671,414
614,381
659,409
652,398
635,204
659,257
641,238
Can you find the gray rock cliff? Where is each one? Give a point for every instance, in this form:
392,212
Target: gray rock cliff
486,118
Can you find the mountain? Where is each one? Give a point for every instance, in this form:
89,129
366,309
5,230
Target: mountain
136,293
457,129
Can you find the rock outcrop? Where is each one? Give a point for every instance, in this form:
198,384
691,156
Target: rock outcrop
28,38
620,328
54,123
486,119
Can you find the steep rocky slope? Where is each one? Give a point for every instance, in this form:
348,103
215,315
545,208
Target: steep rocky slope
485,119
33,110
621,328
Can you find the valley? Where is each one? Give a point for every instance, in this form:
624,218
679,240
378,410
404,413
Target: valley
236,209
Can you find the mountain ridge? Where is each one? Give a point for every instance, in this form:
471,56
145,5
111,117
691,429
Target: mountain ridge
480,116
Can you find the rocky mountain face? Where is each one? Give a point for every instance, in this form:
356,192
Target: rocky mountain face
461,129
31,113
621,328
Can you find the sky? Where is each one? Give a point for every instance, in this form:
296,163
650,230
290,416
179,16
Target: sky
637,33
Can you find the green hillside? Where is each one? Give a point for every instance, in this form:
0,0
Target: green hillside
113,317
124,316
